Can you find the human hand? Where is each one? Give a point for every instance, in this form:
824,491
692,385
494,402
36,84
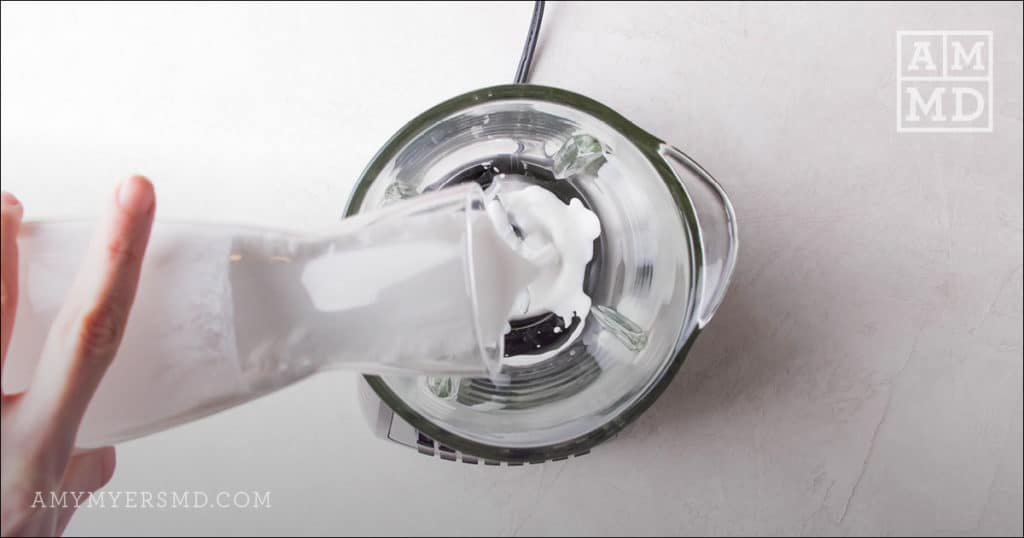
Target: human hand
39,425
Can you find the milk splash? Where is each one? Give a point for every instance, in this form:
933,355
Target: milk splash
559,239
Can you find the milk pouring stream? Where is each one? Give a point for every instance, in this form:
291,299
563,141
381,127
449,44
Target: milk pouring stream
225,314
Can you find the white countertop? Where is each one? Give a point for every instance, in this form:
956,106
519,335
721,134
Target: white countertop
863,375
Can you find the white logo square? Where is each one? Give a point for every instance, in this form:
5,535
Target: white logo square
944,81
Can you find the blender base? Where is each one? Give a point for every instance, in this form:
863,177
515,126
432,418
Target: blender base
388,425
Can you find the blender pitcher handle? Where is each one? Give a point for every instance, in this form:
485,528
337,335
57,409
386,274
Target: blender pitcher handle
717,228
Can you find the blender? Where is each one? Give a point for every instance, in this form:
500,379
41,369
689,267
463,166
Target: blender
660,267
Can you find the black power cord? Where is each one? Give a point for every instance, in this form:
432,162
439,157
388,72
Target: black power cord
525,61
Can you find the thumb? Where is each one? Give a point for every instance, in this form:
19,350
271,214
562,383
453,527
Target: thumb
86,473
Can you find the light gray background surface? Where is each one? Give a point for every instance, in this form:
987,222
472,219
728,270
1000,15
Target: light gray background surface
862,376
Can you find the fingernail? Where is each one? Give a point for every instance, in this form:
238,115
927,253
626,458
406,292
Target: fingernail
109,458
135,195
9,201
9,198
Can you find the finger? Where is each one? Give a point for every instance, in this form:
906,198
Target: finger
87,472
90,470
10,221
87,330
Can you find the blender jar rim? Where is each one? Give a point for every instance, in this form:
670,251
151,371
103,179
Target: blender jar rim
650,146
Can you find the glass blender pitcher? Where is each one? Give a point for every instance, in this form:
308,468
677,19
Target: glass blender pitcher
661,266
